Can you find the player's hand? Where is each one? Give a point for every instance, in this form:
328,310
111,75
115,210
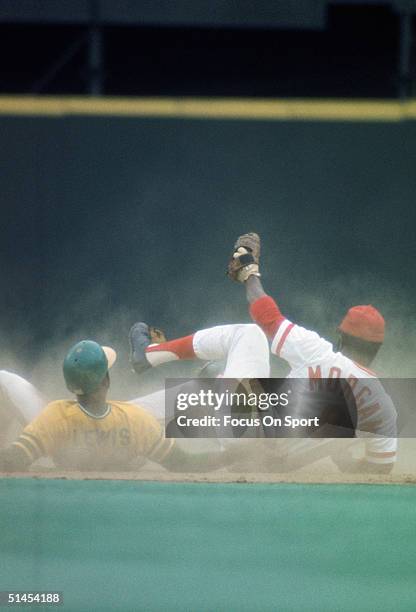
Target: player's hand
245,259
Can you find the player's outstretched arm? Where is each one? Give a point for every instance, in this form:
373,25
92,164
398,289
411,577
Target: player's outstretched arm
263,308
254,289
243,267
152,443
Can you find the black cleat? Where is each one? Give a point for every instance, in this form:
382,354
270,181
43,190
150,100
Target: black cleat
139,339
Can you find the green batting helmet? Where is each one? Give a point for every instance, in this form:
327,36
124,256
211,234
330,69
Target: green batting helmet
86,366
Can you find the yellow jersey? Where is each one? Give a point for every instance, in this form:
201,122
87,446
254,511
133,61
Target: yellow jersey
76,439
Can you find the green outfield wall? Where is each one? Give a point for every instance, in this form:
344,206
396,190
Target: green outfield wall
112,215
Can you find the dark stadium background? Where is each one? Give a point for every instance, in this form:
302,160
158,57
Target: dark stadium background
109,219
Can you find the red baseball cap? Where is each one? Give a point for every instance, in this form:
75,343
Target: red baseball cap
364,322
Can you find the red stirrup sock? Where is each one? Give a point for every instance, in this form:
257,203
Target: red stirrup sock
181,348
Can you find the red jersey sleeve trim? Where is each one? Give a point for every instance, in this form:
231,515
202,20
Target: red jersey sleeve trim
365,369
266,313
283,338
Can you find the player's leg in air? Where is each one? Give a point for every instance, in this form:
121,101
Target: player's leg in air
243,348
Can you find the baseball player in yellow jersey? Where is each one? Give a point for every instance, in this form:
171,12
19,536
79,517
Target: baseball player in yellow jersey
93,433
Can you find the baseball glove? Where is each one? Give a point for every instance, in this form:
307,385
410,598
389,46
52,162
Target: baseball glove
245,259
156,335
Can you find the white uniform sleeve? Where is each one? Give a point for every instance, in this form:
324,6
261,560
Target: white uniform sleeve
22,397
382,446
300,347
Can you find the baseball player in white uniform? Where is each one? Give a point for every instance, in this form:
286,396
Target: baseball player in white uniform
20,403
361,334
243,347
